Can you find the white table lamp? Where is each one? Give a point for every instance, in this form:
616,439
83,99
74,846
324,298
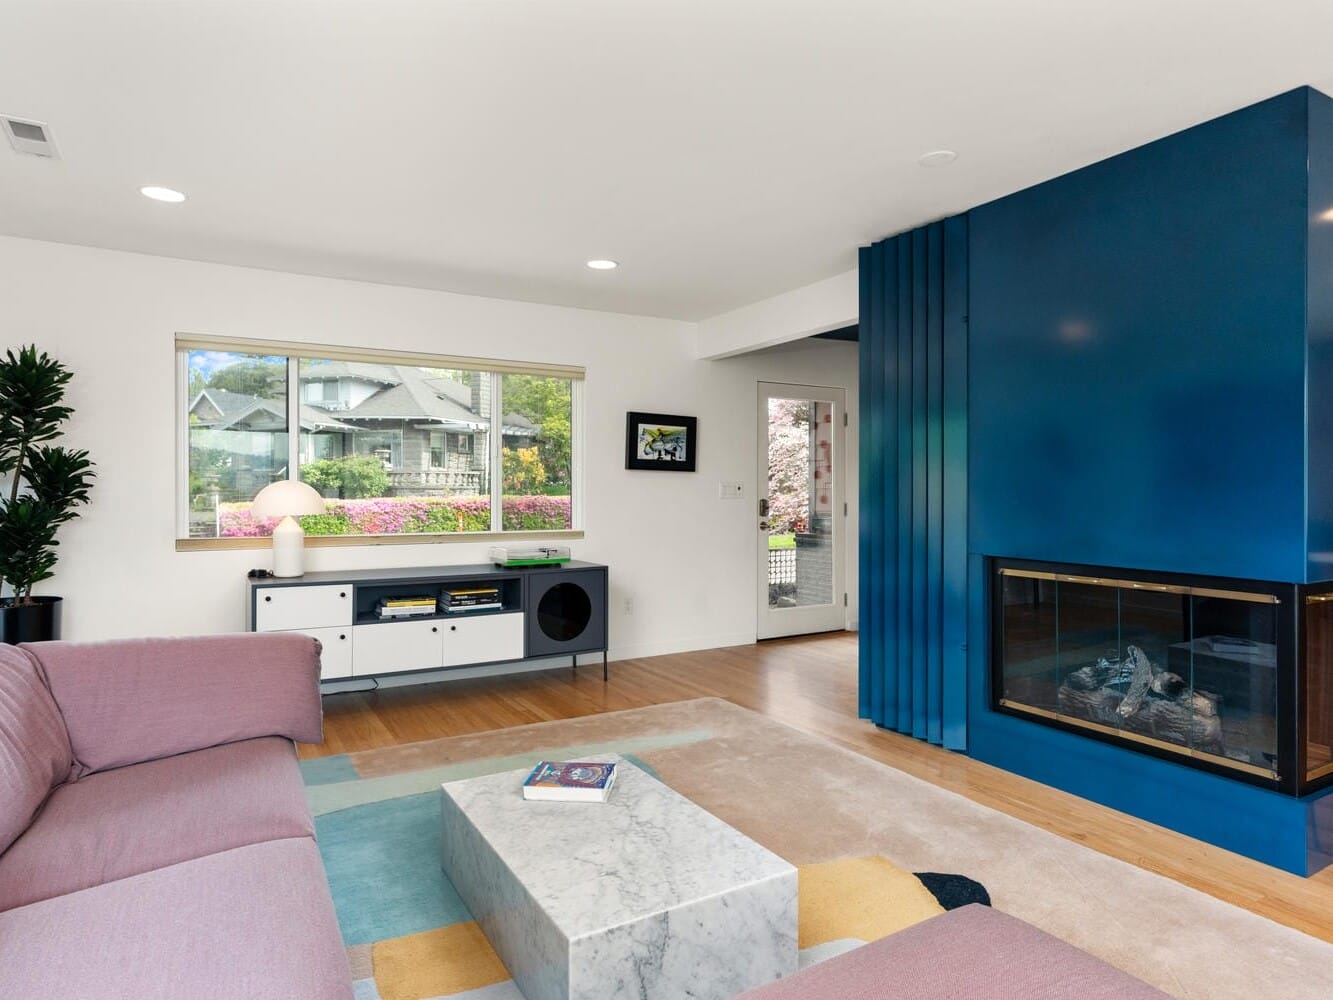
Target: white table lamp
287,499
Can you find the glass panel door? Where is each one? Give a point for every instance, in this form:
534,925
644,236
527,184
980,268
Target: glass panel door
800,510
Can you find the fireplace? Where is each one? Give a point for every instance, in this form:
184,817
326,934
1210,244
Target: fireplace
1231,676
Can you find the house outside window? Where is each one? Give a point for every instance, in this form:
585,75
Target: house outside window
395,446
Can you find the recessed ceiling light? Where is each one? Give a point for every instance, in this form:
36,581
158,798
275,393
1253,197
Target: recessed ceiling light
603,265
161,194
938,158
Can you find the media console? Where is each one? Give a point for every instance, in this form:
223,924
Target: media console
544,611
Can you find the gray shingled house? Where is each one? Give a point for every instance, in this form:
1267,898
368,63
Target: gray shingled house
431,432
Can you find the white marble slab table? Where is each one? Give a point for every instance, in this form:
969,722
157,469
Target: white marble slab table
643,896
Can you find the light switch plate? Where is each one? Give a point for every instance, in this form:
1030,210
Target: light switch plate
731,491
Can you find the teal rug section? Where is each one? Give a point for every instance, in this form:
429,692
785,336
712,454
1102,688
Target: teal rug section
328,770
327,797
383,864
641,765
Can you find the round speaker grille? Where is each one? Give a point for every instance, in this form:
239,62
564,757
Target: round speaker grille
564,612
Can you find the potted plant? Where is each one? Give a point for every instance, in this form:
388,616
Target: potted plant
47,485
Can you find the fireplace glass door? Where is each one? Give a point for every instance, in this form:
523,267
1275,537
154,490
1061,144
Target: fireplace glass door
1181,669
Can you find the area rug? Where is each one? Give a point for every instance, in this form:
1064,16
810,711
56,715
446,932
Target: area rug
855,829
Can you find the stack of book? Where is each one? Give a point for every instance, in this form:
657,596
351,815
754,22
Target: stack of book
405,607
471,597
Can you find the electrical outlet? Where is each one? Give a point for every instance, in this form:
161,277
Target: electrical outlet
629,605
731,491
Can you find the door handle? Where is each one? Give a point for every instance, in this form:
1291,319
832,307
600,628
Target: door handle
763,525
763,507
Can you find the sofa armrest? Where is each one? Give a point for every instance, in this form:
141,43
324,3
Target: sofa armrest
132,700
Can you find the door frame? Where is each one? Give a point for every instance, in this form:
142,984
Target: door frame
775,623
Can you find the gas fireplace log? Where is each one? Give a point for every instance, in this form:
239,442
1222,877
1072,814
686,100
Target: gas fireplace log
1158,704
1138,684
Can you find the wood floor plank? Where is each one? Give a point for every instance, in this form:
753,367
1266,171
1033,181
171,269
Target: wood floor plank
810,683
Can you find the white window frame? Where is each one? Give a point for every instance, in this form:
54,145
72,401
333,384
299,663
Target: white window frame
294,352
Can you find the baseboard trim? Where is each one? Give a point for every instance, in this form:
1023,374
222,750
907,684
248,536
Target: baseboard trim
663,647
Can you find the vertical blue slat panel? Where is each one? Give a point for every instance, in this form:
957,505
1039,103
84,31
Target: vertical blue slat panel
920,520
888,538
954,591
902,554
872,513
934,479
913,603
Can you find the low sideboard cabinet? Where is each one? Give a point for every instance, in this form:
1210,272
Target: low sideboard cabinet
544,611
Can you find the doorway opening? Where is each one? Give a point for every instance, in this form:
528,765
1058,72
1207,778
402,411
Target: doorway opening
802,510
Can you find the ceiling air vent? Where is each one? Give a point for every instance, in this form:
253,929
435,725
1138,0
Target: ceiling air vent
27,136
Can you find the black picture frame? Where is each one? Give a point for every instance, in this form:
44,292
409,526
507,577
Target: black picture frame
674,451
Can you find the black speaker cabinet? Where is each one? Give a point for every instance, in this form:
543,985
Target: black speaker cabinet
565,611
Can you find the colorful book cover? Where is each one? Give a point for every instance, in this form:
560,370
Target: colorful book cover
577,780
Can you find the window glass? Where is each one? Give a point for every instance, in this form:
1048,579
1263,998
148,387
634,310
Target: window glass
386,440
535,455
237,419
393,449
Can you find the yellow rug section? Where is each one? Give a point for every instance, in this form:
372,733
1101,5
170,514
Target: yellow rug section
436,963
863,898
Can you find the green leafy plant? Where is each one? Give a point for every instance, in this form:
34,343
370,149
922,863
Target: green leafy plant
47,483
353,477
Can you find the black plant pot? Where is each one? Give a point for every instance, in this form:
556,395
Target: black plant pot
31,622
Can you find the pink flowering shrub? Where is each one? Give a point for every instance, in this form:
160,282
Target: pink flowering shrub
534,513
236,521
406,515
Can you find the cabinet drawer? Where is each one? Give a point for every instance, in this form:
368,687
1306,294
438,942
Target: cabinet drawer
279,609
483,639
336,658
386,647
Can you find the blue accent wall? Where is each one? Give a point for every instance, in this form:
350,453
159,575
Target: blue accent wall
1137,344
1149,386
1138,380
1319,322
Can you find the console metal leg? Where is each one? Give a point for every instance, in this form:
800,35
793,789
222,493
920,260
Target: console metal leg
604,674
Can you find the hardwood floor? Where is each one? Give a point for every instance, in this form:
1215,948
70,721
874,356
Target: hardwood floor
810,683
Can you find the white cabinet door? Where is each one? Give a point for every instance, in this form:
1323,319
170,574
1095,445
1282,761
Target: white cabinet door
482,639
386,647
279,609
336,658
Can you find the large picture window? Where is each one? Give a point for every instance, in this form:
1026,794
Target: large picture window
397,445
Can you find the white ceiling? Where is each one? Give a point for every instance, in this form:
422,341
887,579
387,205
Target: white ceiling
722,150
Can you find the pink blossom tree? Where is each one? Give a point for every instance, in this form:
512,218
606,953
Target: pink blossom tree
788,465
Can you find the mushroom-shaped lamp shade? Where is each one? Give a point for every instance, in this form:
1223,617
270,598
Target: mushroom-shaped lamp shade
287,499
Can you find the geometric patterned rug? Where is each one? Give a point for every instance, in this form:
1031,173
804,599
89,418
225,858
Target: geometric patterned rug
854,829
411,937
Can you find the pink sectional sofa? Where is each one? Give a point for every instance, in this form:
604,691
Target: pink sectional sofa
154,836
972,953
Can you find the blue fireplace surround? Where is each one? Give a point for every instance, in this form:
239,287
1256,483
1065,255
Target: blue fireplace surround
1150,386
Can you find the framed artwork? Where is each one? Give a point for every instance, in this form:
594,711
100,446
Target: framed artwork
660,442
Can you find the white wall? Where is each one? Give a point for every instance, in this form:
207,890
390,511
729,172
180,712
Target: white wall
826,305
686,557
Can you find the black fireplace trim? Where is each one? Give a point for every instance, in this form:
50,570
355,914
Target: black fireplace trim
1291,756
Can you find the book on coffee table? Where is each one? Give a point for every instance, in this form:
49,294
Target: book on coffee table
570,781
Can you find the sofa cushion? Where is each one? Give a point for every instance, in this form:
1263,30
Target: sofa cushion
35,754
254,922
134,819
131,700
973,951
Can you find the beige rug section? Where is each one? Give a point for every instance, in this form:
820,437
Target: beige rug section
811,801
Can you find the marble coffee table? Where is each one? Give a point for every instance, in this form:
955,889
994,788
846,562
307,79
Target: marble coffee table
645,895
